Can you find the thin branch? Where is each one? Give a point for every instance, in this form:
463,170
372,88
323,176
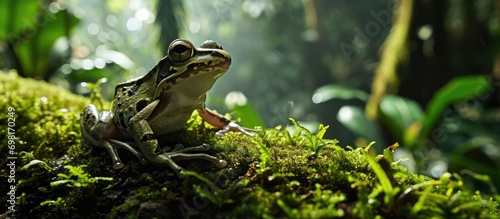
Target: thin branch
395,49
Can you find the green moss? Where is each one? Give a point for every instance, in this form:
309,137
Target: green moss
287,173
77,177
46,117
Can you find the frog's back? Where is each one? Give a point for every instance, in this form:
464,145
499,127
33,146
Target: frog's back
130,98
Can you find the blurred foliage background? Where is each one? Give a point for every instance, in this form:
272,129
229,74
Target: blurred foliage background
425,74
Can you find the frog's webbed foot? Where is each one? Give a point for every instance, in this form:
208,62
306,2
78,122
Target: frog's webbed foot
112,147
170,158
221,122
95,126
167,149
232,126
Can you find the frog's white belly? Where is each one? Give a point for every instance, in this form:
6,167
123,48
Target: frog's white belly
176,110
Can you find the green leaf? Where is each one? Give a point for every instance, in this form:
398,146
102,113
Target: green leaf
290,212
200,177
354,119
310,126
460,88
301,129
265,156
38,163
33,53
478,157
384,180
466,206
399,113
419,205
248,116
321,131
239,105
335,91
17,17
92,75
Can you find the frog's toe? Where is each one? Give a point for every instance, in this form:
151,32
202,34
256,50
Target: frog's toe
232,126
206,146
221,164
178,146
222,131
165,149
118,165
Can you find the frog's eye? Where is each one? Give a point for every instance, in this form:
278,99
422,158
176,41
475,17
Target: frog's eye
180,50
210,44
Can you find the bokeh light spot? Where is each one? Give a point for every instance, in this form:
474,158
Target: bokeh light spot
142,14
194,26
93,28
111,20
235,98
133,24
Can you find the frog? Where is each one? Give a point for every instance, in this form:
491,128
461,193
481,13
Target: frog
161,102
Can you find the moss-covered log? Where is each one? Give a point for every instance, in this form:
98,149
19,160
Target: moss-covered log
277,174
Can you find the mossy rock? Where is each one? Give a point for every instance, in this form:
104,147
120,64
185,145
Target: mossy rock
276,174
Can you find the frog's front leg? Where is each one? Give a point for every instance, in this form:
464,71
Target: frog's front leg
148,144
219,121
99,130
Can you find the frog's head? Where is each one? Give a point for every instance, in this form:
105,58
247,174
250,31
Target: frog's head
191,70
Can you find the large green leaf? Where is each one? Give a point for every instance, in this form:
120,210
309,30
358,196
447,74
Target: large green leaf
335,91
480,155
248,115
312,126
460,88
400,113
239,105
33,52
18,17
91,75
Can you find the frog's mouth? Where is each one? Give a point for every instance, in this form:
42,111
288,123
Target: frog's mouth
198,84
199,75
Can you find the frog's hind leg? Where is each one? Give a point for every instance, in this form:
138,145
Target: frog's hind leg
91,120
170,158
181,154
112,146
117,163
118,144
